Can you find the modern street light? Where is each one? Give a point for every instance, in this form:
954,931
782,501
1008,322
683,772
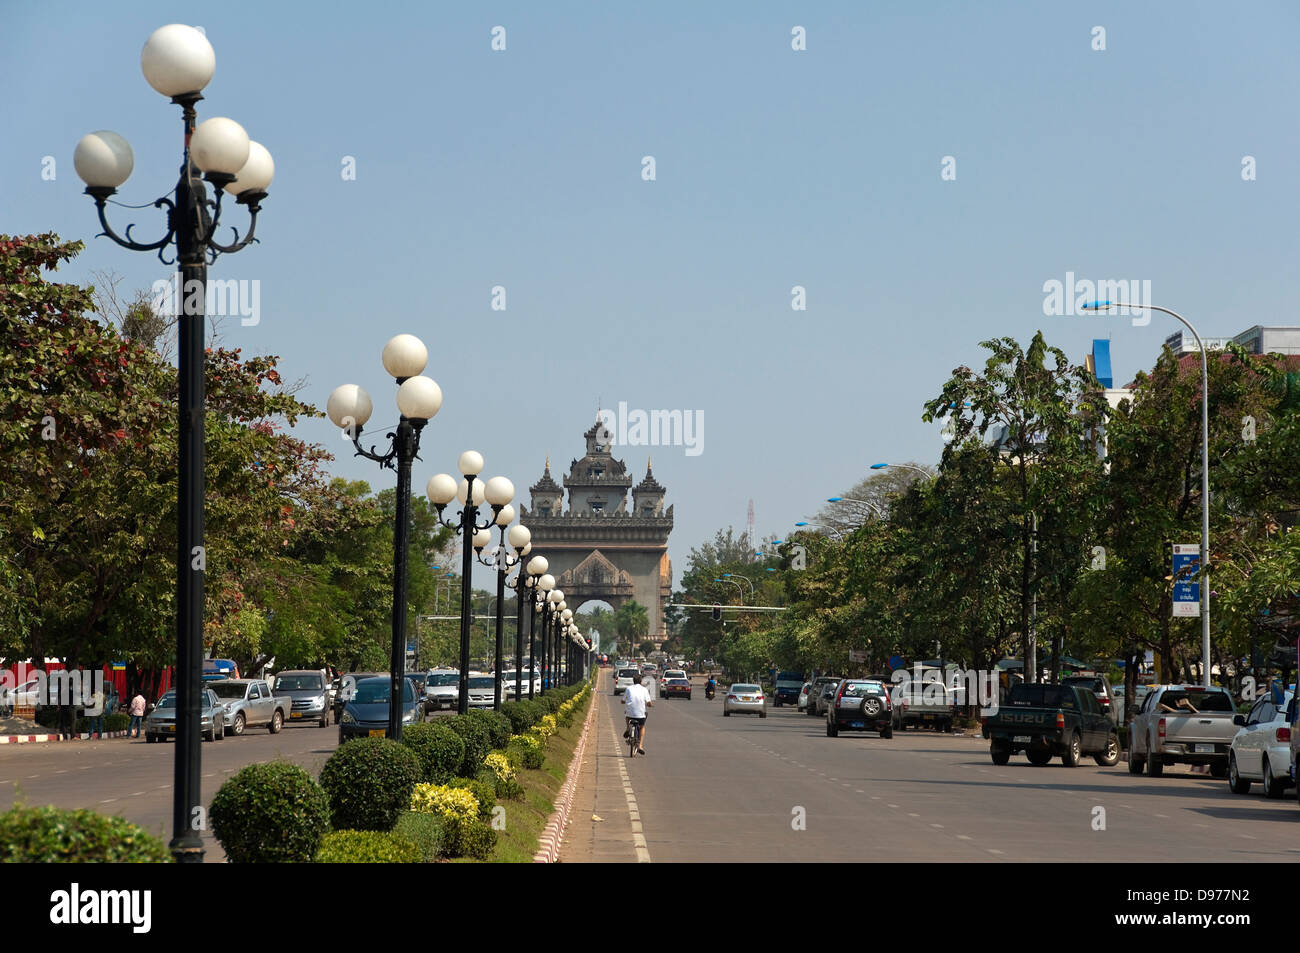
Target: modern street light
418,400
178,61
1205,472
903,466
526,581
471,492
736,575
520,540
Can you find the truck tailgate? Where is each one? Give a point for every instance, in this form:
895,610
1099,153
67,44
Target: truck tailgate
1023,721
1206,728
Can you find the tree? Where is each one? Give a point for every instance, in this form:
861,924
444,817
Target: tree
632,622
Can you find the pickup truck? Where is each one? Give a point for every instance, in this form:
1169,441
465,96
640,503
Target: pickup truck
249,703
1182,724
1044,721
923,703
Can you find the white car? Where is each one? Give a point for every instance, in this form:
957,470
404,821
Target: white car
802,704
744,697
1261,750
508,684
482,690
624,678
442,689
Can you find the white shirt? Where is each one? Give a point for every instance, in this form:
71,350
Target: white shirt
635,698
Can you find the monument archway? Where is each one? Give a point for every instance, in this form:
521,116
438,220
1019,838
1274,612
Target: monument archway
597,546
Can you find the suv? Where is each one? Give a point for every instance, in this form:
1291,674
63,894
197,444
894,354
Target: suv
308,692
816,699
1100,688
860,705
623,679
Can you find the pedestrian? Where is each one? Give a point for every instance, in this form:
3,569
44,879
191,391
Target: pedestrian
137,715
96,713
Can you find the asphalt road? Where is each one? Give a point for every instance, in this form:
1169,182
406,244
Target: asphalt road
778,789
134,779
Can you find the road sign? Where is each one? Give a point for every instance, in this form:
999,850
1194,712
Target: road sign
1187,592
857,655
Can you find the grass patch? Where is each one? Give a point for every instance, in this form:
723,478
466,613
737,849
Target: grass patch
526,819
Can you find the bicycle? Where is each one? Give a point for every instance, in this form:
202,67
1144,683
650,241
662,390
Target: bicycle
633,737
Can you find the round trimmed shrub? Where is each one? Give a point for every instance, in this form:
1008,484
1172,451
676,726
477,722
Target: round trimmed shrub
498,726
517,715
529,752
368,847
51,835
477,740
369,783
428,831
485,792
473,838
270,814
440,750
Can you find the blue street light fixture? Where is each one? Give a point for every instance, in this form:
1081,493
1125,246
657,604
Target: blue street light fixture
903,466
802,523
1205,473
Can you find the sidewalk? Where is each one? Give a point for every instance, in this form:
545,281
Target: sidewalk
20,731
602,792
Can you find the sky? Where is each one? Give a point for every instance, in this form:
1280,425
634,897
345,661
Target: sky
919,169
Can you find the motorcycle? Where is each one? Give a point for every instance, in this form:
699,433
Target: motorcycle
708,692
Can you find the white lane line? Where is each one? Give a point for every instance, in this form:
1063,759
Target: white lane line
892,805
64,771
1162,815
30,776
860,791
913,815
940,826
136,793
992,851
964,837
108,801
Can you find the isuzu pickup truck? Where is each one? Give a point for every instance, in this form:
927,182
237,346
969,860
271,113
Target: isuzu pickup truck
1182,724
1044,721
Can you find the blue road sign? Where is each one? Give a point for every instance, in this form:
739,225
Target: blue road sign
1187,592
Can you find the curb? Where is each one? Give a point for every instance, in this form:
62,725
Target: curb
549,850
42,739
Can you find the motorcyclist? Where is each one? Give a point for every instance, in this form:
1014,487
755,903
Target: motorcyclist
710,686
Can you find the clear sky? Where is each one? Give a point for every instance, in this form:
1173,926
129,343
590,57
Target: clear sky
774,168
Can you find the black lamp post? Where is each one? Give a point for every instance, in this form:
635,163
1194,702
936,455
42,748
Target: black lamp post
525,594
471,492
418,400
545,583
178,62
520,537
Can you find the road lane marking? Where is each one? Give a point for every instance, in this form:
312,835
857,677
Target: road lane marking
937,825
913,815
860,791
31,776
108,801
964,837
136,793
992,851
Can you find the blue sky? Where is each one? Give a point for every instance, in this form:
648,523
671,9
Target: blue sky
774,168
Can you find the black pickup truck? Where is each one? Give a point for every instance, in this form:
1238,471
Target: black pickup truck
1044,721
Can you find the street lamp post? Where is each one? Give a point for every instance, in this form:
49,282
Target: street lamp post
562,658
1205,472
903,466
471,492
554,600
526,590
545,586
520,537
178,61
418,399
736,575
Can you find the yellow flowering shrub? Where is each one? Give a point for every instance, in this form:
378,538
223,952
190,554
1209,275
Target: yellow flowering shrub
499,765
444,801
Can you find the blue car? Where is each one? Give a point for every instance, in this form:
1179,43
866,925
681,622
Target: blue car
366,713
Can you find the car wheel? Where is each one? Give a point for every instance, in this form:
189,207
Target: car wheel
1236,783
762,714
1272,786
887,731
210,735
1073,752
1135,764
1000,752
726,713
1038,758
1219,770
277,722
831,730
150,739
1110,756
1155,767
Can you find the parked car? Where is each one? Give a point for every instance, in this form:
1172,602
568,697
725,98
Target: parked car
817,697
677,688
508,686
923,703
1045,721
802,703
1182,724
624,678
1099,687
482,690
1117,703
308,693
442,689
744,697
161,722
366,713
1261,750
860,705
249,703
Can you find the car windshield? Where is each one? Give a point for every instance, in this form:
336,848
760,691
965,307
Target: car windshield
167,701
443,680
859,689
376,692
482,681
228,689
1041,696
628,673
674,674
1199,701
744,688
299,683
678,681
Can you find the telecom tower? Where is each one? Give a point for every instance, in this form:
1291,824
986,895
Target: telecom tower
749,530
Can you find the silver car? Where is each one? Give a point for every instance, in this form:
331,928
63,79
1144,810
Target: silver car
1261,749
744,697
442,689
482,690
161,723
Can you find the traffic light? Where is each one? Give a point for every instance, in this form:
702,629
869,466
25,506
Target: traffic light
717,611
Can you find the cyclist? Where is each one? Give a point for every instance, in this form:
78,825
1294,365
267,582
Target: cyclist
637,699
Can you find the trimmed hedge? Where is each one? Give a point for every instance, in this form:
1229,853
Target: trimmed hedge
478,742
440,749
269,814
369,783
50,835
428,831
368,847
473,838
485,792
528,751
497,724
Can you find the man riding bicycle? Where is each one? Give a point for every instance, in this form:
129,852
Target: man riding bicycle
637,699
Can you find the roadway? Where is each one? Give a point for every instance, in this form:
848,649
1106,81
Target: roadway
778,789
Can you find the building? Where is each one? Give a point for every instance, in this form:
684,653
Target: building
1261,339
